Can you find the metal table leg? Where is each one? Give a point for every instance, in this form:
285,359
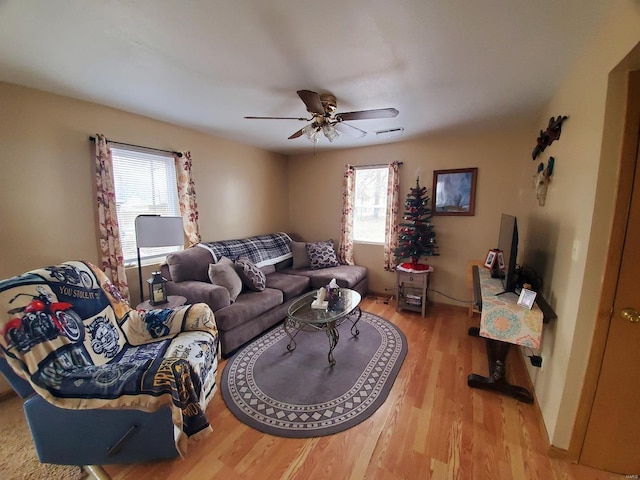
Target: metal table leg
334,337
353,324
288,323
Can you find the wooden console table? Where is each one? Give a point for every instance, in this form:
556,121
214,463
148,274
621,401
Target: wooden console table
504,323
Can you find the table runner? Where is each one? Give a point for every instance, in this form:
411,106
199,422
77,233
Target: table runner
503,319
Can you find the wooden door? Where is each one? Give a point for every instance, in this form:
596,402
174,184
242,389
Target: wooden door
612,440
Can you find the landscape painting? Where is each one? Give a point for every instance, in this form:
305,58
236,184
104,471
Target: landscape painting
454,191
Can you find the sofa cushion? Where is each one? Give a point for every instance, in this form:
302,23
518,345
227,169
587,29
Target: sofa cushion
247,307
290,285
267,269
224,274
252,277
190,264
300,255
322,255
347,276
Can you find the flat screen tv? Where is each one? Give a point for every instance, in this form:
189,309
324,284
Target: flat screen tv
508,243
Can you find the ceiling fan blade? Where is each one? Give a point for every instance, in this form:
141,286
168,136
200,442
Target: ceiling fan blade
279,118
349,130
368,114
296,135
312,101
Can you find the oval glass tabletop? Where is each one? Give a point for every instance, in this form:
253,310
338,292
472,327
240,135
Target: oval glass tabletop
300,310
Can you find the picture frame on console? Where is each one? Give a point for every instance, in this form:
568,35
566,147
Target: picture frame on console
490,261
454,192
527,298
501,264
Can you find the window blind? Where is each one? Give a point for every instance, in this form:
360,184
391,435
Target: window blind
145,183
370,205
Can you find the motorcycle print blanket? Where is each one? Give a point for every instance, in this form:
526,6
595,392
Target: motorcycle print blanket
68,332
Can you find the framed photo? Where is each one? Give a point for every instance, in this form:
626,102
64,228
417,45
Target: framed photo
492,256
501,265
454,191
527,297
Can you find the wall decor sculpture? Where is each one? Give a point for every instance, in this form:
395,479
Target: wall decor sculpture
551,134
542,179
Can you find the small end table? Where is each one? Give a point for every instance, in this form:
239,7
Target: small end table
412,289
173,301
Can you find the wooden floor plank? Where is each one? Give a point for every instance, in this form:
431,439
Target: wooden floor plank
432,425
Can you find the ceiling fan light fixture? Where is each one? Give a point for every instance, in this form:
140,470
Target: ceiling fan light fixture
312,132
324,118
330,132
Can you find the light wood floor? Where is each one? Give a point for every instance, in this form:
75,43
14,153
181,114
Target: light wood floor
432,425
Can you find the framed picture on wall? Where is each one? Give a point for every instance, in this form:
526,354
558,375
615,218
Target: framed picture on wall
454,191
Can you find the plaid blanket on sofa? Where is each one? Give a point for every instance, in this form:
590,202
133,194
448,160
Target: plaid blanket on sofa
262,249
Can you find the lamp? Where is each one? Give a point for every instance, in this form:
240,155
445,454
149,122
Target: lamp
156,231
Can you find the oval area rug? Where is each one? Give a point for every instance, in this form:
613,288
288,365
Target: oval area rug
297,394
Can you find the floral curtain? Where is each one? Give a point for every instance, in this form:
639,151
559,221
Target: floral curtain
187,197
391,227
109,233
345,251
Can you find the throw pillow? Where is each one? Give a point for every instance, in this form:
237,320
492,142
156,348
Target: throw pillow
300,255
190,264
224,274
252,277
322,255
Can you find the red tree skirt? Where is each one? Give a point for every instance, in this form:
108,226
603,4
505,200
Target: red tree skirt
414,267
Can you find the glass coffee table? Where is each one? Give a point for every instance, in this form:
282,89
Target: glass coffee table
301,316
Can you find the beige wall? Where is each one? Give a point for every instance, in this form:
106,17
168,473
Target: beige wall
570,234
499,154
47,173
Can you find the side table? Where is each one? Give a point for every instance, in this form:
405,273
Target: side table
411,290
173,301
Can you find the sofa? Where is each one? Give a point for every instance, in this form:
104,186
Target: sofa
288,270
106,383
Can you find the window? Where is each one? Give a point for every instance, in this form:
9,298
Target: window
370,205
145,183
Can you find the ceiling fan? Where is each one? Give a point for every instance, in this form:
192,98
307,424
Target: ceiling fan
324,118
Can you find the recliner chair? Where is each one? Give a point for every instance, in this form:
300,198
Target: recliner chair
104,383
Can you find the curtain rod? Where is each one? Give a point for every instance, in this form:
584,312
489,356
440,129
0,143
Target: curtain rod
93,139
372,165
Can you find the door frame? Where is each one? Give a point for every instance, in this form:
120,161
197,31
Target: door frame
629,153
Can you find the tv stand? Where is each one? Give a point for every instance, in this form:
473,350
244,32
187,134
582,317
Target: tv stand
497,355
503,292
497,350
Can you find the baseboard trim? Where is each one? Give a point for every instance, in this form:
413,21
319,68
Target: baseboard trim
559,453
388,295
529,386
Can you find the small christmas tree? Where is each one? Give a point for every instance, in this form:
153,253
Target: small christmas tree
416,237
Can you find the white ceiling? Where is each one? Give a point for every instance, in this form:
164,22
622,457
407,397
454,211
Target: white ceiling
206,64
